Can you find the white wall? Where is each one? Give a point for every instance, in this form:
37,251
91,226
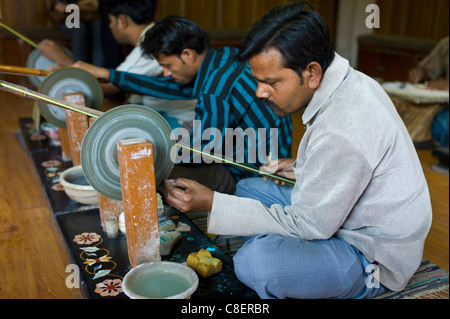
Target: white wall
351,23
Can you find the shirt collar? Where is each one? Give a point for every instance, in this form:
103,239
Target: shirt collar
142,36
331,81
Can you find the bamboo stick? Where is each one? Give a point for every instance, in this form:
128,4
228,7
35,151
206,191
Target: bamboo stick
22,70
27,93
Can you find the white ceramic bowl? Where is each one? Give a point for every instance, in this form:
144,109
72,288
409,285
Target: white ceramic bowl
77,187
144,270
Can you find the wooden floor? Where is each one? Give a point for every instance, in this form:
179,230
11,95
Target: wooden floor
436,245
33,255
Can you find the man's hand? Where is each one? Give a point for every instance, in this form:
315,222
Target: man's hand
187,195
282,167
415,75
98,72
54,52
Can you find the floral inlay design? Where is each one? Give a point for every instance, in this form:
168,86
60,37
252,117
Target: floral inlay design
58,187
86,238
109,287
99,264
51,163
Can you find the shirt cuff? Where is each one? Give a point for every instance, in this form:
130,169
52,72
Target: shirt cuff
238,216
112,75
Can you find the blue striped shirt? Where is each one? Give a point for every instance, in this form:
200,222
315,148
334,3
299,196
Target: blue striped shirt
225,93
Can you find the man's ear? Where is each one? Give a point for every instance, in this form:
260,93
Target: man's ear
188,56
122,21
314,71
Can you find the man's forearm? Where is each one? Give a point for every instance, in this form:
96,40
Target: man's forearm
163,88
98,72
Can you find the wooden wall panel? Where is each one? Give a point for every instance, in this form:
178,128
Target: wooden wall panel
237,14
414,22
203,12
414,18
168,7
329,11
263,6
442,17
25,13
388,9
210,14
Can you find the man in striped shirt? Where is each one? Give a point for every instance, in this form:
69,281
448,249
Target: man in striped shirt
226,101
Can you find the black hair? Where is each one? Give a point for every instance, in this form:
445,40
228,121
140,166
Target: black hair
172,35
140,11
300,34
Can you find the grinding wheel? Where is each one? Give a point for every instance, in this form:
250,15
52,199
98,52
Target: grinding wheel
99,149
69,80
37,61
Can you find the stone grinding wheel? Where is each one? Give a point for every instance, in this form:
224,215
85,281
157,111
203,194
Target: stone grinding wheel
99,149
69,80
37,61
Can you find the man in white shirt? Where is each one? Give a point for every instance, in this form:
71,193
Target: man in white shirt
355,222
129,22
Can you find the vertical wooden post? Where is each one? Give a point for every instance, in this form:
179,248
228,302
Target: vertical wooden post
137,178
66,152
108,208
77,125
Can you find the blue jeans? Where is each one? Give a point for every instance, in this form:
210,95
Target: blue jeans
285,267
267,192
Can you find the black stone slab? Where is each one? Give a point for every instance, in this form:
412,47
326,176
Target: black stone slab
110,258
34,140
104,262
49,165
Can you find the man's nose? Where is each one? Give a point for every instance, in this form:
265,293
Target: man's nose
262,92
166,72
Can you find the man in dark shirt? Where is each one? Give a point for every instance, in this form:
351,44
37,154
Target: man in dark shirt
229,117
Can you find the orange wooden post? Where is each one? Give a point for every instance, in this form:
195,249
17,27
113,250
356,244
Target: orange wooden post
108,208
137,178
66,152
77,125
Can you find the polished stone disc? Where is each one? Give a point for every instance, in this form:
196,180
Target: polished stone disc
99,149
37,61
69,80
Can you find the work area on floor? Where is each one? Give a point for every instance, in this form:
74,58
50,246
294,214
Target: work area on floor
356,174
